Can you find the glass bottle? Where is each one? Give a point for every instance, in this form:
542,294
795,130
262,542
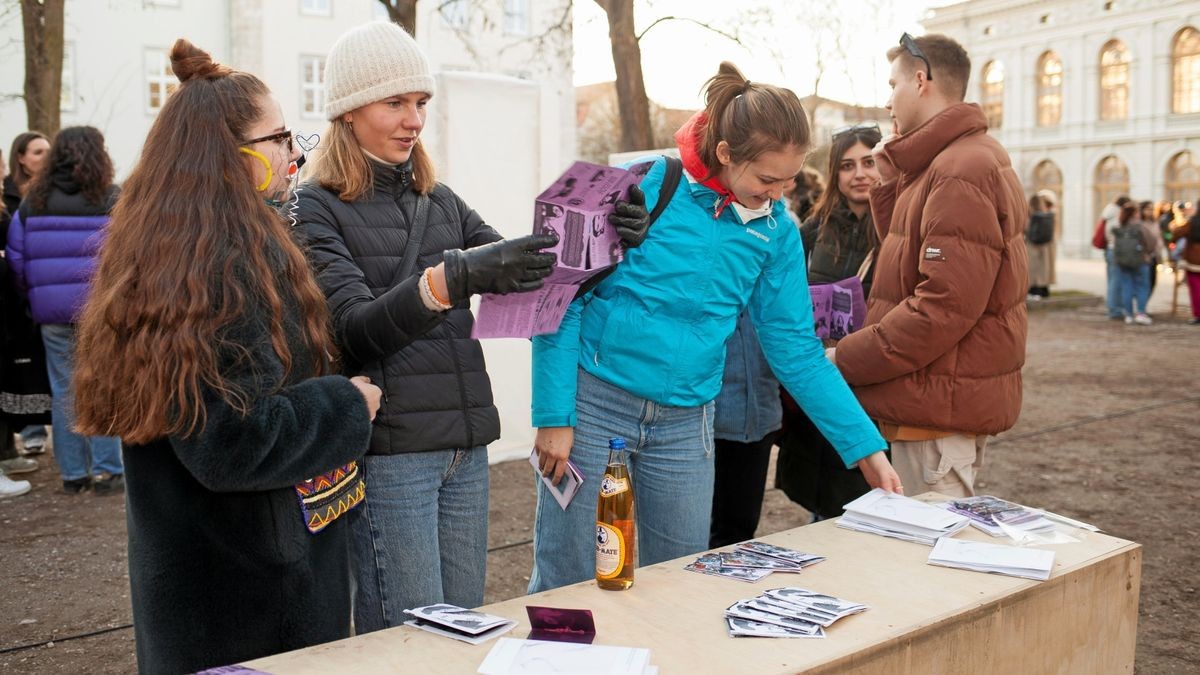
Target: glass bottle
616,533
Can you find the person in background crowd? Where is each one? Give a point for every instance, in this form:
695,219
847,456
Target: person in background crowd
1111,215
26,159
804,194
840,242
399,256
1187,240
938,363
213,367
1149,219
1134,286
641,355
16,401
53,244
1180,212
1041,223
1163,215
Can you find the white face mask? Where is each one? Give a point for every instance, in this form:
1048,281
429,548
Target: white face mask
748,214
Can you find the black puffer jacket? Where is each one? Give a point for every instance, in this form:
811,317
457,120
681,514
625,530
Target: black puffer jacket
437,394
838,252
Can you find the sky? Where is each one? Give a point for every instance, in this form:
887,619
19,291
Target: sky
780,44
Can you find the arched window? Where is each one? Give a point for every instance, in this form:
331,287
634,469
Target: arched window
1185,69
1047,176
1112,181
1183,178
1114,81
992,93
1049,90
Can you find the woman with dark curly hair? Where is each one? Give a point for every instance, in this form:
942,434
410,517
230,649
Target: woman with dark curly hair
53,242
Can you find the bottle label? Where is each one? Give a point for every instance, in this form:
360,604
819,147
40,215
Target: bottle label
610,551
610,486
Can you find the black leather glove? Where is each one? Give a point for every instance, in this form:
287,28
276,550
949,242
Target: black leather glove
508,266
631,218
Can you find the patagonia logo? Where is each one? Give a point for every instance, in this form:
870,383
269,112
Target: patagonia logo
934,253
758,234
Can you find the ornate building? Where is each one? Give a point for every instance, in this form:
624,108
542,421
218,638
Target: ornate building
1092,98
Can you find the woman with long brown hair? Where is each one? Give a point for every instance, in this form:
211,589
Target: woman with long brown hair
25,160
205,347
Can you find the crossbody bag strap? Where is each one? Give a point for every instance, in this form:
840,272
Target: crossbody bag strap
865,268
416,233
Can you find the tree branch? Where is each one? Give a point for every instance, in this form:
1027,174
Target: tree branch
702,24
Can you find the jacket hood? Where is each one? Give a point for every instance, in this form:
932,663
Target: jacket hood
62,176
687,139
913,151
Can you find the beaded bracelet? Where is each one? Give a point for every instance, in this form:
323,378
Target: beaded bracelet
428,297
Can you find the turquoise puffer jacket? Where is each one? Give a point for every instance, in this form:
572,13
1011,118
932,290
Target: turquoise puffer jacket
657,326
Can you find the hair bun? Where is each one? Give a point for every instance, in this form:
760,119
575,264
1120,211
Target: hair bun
189,62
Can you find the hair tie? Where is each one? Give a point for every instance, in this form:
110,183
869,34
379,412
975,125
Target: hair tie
747,87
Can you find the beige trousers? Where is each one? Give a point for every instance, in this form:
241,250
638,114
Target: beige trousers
946,465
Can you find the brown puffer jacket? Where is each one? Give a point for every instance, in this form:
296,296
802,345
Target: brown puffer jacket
944,339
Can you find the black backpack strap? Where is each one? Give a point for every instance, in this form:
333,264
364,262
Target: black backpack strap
671,178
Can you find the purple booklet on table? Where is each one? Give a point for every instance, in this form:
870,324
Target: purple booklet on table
561,625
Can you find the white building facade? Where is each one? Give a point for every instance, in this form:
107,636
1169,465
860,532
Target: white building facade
1092,98
116,70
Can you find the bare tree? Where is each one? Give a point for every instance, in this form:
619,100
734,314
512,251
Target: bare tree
636,133
403,12
42,24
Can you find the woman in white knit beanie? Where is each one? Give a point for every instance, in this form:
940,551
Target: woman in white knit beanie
398,256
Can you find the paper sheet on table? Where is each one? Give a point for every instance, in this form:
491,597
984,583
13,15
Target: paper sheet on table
537,657
1016,561
576,208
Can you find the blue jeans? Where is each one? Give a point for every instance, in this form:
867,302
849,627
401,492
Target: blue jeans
1135,285
1112,299
670,459
422,536
77,456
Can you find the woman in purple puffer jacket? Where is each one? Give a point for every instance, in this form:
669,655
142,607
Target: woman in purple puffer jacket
53,244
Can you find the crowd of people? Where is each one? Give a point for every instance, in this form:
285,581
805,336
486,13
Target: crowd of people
296,411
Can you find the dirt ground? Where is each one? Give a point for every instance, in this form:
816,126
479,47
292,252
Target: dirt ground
1109,434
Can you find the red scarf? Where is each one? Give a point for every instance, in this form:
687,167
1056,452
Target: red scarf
688,138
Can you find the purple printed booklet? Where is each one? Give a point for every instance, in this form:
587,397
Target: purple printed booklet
576,208
839,308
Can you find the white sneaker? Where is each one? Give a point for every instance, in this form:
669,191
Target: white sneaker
12,488
18,465
1129,321
1143,320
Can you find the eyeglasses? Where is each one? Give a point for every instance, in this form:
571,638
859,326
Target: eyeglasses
285,135
910,45
865,126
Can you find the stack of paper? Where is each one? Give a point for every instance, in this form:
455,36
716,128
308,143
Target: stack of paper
787,612
511,656
455,622
1013,561
892,515
998,517
753,560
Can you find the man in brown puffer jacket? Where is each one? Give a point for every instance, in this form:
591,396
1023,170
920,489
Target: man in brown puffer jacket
938,363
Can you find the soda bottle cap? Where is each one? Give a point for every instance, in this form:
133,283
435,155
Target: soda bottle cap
616,444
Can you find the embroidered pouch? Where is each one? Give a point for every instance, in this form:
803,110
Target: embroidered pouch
327,497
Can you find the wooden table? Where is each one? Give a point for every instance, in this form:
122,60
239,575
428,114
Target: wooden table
923,619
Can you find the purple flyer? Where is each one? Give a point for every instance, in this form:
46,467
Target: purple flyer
839,308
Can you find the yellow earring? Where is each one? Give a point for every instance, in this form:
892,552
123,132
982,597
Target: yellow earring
266,162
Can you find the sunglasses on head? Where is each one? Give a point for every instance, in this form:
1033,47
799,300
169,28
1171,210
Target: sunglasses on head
910,45
285,135
865,126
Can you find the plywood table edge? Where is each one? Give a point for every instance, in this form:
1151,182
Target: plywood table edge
985,607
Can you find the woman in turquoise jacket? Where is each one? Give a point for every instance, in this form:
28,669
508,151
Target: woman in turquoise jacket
641,356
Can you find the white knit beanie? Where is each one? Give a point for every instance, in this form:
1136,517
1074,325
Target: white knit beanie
370,63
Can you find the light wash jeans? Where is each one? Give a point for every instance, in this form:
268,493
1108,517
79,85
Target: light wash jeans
670,455
1112,299
422,536
1135,285
77,456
